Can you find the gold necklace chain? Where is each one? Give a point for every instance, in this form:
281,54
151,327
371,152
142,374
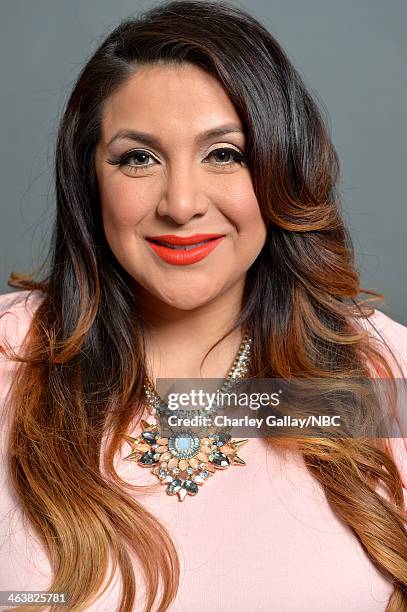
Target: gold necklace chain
238,370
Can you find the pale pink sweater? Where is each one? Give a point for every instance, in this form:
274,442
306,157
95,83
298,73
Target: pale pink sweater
256,538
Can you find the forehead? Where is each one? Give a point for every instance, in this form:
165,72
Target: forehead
166,98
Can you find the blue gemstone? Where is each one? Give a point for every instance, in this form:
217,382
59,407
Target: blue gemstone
184,443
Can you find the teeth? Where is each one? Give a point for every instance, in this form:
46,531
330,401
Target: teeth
185,247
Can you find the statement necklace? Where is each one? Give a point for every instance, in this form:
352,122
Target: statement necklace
185,459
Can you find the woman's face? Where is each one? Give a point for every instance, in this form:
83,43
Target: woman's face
169,177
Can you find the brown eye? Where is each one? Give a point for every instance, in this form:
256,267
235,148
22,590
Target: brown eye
227,156
138,159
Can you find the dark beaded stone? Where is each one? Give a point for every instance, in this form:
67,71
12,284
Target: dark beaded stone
190,486
221,439
174,486
219,459
148,458
149,437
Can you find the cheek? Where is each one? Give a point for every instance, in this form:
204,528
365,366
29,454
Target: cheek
243,211
242,208
122,207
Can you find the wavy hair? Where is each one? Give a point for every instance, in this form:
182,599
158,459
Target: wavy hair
82,362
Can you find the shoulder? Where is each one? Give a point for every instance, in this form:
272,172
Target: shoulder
387,333
20,303
16,312
395,335
395,332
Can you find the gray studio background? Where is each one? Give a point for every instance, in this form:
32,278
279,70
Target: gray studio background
352,55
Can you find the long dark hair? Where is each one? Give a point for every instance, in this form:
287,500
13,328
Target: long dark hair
84,357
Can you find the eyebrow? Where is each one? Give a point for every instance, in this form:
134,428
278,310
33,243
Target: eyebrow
153,141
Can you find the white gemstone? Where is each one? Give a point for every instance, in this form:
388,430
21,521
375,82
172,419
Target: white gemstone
182,493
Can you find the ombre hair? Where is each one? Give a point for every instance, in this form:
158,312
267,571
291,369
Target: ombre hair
82,363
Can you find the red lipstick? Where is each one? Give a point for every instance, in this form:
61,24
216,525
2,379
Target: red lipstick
183,250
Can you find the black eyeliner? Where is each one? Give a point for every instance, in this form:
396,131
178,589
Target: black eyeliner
239,157
126,156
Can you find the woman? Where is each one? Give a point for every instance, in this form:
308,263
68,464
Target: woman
191,120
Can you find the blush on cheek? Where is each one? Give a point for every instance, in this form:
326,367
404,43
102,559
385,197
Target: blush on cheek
119,210
241,200
124,205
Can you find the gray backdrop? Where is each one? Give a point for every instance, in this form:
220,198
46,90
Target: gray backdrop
351,54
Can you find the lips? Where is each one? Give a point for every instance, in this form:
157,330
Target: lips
184,250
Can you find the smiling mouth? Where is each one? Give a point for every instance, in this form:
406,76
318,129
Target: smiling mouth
184,247
184,254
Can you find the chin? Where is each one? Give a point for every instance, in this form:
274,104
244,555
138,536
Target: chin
186,297
187,302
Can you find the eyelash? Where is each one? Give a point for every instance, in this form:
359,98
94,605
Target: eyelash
124,159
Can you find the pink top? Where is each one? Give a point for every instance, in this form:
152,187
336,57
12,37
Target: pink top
260,537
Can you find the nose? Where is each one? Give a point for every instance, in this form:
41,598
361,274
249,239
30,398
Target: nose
182,197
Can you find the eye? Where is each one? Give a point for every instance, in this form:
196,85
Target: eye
139,155
224,154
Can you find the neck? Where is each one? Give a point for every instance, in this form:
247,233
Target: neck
177,340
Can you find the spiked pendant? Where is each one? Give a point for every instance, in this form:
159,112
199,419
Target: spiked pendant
183,462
